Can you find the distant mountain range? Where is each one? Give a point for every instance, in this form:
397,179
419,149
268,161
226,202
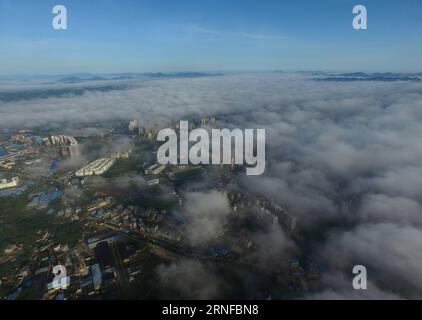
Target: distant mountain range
78,77
125,76
361,76
317,75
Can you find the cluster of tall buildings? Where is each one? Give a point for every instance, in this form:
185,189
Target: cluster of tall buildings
60,140
133,125
69,151
208,122
68,145
135,128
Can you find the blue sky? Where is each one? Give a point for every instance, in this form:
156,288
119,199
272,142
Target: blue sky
175,35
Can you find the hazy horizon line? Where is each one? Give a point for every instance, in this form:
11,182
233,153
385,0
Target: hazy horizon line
28,76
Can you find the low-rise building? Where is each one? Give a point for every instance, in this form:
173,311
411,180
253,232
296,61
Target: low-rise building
96,168
4,183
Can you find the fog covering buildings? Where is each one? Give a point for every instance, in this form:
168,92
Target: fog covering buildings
343,158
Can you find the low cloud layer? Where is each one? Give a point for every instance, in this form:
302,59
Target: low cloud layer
343,157
190,279
207,213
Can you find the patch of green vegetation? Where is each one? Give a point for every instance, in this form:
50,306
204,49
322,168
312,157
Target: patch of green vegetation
68,233
122,167
188,174
23,229
19,224
3,292
18,262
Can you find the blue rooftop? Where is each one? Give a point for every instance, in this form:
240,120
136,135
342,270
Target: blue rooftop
2,152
